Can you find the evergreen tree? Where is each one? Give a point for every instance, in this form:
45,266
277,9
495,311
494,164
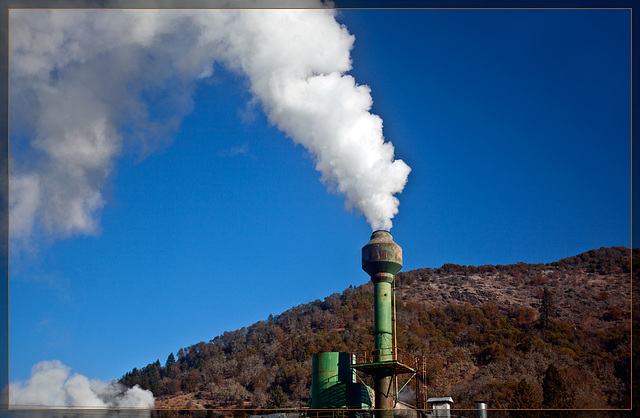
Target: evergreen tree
170,360
524,397
547,309
277,398
554,392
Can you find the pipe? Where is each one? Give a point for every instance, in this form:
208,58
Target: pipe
395,323
481,409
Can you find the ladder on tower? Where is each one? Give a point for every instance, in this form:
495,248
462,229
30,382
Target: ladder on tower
421,385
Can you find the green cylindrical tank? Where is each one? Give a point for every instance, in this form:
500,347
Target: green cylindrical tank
328,371
333,382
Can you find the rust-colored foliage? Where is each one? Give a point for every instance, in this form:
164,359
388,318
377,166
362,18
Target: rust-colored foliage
476,325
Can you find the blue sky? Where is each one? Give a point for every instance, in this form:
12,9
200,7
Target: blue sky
516,126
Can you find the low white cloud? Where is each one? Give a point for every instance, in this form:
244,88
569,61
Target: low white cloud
50,386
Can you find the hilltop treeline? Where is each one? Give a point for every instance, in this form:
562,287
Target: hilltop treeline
499,350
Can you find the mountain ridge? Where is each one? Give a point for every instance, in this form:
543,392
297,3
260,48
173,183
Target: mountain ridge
479,328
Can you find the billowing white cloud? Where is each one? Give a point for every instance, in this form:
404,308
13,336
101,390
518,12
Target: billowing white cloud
90,84
50,386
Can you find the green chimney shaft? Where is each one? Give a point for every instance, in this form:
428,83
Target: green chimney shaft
382,259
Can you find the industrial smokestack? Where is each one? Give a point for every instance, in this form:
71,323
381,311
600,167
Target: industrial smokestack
382,259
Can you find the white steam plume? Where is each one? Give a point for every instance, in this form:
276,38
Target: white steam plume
50,386
82,83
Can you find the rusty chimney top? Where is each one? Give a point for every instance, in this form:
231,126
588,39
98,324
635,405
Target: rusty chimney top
381,255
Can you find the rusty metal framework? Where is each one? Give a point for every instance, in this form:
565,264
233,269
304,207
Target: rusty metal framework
421,384
397,363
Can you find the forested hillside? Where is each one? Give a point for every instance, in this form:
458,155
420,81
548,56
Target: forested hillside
491,332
